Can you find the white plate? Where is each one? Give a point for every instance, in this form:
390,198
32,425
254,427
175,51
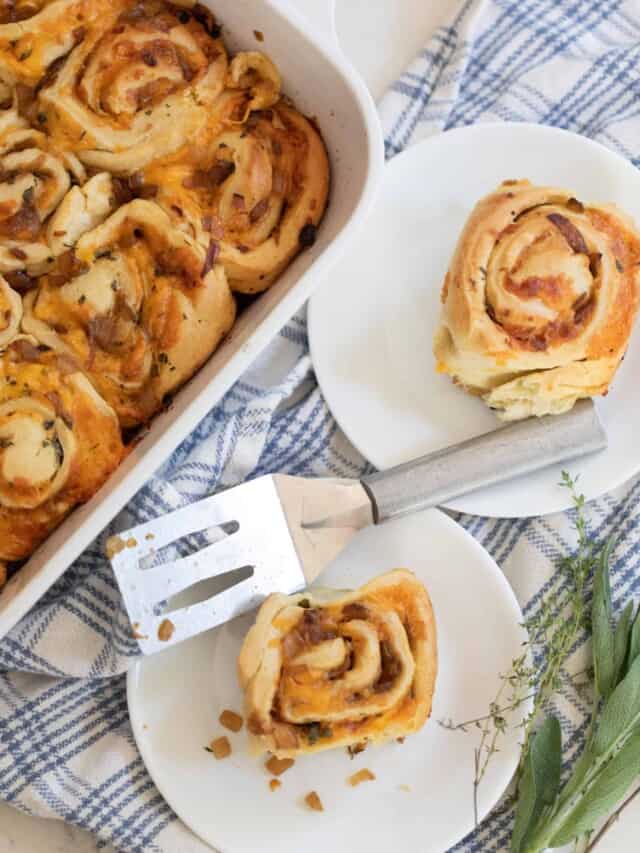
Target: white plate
175,699
371,325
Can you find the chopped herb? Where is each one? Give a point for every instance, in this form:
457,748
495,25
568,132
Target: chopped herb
82,299
315,731
304,603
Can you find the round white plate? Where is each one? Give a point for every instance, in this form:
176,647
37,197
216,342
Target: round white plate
371,325
175,699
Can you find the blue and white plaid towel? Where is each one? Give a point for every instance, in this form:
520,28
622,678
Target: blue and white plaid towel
66,748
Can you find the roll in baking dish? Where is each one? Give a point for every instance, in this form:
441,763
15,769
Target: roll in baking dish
327,669
59,441
539,300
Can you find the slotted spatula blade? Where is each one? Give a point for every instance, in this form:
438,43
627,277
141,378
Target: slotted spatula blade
247,529
277,533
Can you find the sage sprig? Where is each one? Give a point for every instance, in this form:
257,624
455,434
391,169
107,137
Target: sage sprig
610,762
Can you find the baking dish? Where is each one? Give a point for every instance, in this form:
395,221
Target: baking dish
323,85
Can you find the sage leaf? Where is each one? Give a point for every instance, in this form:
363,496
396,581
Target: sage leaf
578,773
603,637
620,712
540,781
621,641
634,641
603,794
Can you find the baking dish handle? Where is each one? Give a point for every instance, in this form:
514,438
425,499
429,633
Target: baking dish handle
322,15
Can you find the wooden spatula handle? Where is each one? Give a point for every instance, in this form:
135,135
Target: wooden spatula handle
511,451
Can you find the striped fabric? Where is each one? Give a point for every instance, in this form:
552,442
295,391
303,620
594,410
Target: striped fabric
66,748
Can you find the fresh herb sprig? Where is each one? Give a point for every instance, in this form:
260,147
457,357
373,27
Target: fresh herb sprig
552,633
606,777
549,815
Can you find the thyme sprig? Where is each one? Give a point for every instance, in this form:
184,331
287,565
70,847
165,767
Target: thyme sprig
539,670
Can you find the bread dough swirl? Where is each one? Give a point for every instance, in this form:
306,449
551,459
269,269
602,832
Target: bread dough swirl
261,189
59,441
539,300
322,670
36,33
41,214
10,313
139,305
137,87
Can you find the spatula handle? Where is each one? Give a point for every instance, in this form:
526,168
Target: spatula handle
511,451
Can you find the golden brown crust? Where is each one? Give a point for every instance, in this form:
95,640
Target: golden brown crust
539,300
137,86
322,670
59,441
136,307
34,34
259,188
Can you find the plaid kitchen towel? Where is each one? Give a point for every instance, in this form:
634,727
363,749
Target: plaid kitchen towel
66,748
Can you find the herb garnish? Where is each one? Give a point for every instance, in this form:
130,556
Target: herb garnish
610,761
315,731
549,815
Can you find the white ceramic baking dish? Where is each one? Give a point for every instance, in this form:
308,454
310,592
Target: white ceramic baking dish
299,36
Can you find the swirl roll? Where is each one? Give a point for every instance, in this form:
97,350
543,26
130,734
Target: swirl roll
322,670
539,300
41,214
138,304
260,188
34,34
137,87
59,441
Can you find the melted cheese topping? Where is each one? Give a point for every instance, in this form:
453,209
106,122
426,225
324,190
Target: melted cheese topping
133,307
259,189
59,441
358,667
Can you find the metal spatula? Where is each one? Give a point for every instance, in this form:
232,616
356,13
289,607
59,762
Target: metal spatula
277,533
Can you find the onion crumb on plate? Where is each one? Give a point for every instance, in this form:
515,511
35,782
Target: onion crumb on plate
277,766
220,747
230,720
314,802
363,775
